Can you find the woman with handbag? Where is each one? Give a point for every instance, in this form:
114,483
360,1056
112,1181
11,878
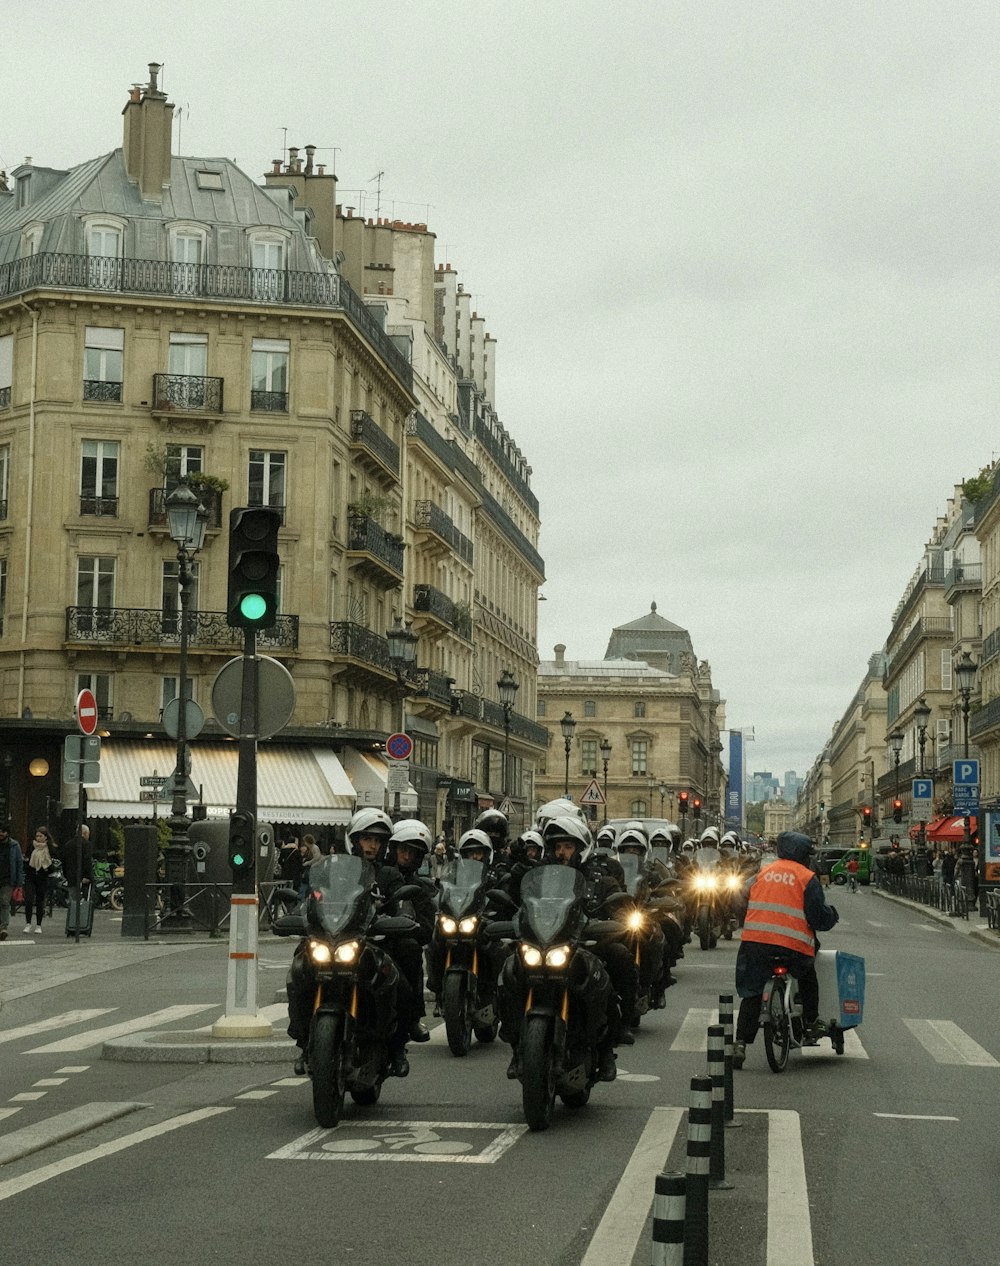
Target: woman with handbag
36,877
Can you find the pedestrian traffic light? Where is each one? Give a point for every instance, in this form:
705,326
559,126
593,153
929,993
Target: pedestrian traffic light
253,568
866,816
241,842
696,808
897,810
682,799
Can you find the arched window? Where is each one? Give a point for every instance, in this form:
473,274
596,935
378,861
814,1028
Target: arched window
638,809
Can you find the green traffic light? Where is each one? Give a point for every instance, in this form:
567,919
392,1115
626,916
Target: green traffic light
253,606
238,859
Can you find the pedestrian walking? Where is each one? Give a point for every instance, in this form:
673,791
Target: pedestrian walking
36,882
11,875
440,861
78,861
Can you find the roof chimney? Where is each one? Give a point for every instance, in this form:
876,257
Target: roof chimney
560,651
149,119
310,150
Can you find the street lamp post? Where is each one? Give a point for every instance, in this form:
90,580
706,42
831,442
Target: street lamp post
651,787
187,520
403,657
662,789
508,687
567,725
965,671
921,715
605,758
896,739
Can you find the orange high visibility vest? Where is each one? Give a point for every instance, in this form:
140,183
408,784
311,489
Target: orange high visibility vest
775,914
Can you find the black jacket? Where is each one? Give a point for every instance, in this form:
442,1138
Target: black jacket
78,846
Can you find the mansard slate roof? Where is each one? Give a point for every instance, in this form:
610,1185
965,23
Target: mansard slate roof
649,636
606,668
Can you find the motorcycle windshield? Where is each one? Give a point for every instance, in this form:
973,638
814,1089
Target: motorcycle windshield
633,874
550,898
339,890
461,886
707,858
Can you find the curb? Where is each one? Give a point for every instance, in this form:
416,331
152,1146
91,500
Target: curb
981,934
194,1046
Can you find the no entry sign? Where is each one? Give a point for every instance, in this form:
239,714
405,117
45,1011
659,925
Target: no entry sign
86,712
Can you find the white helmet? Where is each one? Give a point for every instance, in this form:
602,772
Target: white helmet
710,836
632,835
568,828
414,834
369,822
558,809
605,837
476,839
529,839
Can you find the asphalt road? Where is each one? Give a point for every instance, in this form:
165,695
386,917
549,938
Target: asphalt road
885,1156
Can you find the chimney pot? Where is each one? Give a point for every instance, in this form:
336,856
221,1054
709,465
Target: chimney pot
275,166
154,70
560,651
321,169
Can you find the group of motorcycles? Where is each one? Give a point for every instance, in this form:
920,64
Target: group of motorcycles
540,930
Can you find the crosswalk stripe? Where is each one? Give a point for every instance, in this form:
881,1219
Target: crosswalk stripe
95,1037
53,1022
692,1035
852,1048
7,1112
948,1044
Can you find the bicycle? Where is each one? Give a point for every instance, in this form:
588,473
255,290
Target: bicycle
782,1022
852,881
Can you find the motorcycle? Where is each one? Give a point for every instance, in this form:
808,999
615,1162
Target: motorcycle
711,890
468,992
354,1014
557,1056
640,927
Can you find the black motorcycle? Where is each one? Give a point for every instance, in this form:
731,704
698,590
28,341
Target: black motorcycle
354,1015
640,926
469,985
705,896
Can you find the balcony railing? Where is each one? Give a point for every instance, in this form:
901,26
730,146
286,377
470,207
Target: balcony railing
478,709
269,401
94,389
185,393
498,452
209,497
502,520
225,282
968,575
432,601
367,432
367,535
928,626
348,638
991,647
4,397
434,685
130,626
106,507
432,518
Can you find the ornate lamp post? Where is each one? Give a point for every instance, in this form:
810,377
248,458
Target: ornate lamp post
508,687
921,715
403,657
896,739
605,758
187,520
567,725
965,671
662,789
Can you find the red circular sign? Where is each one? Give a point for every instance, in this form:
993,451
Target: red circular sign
86,712
398,746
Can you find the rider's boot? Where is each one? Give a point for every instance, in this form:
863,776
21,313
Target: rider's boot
739,1054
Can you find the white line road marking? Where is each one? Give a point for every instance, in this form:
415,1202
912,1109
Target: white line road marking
389,1141
624,1219
948,1044
872,924
95,1037
54,1022
907,1116
14,1186
291,1081
8,1112
789,1229
852,1048
272,1013
29,1096
51,1081
692,1035
256,1094
73,1068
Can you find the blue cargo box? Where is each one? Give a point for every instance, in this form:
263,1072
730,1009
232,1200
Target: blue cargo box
841,987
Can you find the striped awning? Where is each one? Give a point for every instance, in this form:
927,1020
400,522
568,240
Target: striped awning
369,773
305,785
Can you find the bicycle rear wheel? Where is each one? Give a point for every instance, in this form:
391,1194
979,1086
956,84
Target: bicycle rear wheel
777,1028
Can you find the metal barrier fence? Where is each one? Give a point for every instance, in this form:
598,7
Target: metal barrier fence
929,890
993,909
205,906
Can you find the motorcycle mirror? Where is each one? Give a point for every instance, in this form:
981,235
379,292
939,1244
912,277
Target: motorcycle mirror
289,925
499,930
407,892
499,897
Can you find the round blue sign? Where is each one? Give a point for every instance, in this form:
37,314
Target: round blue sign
398,746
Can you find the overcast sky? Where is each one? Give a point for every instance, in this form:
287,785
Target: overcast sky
740,260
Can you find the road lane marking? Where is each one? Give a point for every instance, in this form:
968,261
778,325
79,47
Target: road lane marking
15,1186
60,1127
789,1229
693,1035
872,924
852,1048
95,1037
909,1116
256,1094
624,1220
927,927
28,1096
51,1081
8,1112
54,1022
403,1141
73,1068
945,1042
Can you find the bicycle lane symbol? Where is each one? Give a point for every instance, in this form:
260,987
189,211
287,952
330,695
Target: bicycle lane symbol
406,1141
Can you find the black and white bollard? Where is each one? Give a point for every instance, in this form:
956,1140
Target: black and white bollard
726,1020
668,1220
699,1142
717,1075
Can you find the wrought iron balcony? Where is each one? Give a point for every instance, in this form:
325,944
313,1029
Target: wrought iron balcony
209,497
130,626
357,642
431,601
434,686
227,283
367,433
93,389
269,401
4,397
381,551
106,507
963,576
431,518
185,393
467,704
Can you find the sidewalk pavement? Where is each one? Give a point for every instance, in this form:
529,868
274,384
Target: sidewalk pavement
974,927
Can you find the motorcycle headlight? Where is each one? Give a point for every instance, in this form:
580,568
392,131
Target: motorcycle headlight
732,882
636,919
557,957
347,952
320,953
447,925
469,925
532,956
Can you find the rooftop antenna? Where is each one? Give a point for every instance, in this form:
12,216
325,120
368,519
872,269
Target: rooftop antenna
377,181
284,147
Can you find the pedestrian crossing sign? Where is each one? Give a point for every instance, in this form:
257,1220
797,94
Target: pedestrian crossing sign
593,794
507,806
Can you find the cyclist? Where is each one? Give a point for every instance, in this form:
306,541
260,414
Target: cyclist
787,907
852,874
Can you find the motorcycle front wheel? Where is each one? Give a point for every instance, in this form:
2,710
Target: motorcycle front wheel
457,1013
538,1083
705,928
326,1067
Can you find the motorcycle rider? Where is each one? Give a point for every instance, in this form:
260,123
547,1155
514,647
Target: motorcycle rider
632,842
494,823
477,846
568,843
787,907
409,846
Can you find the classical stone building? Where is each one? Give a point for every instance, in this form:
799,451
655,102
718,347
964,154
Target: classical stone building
166,318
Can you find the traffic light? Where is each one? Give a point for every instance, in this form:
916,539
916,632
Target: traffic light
866,816
897,810
682,800
696,808
241,843
253,568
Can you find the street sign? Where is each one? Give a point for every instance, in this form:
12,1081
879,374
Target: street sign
160,795
398,777
86,712
194,718
923,791
965,772
507,806
275,696
82,760
593,794
398,746
965,800
155,780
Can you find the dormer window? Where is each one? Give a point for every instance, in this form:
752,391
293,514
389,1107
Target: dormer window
210,180
31,240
